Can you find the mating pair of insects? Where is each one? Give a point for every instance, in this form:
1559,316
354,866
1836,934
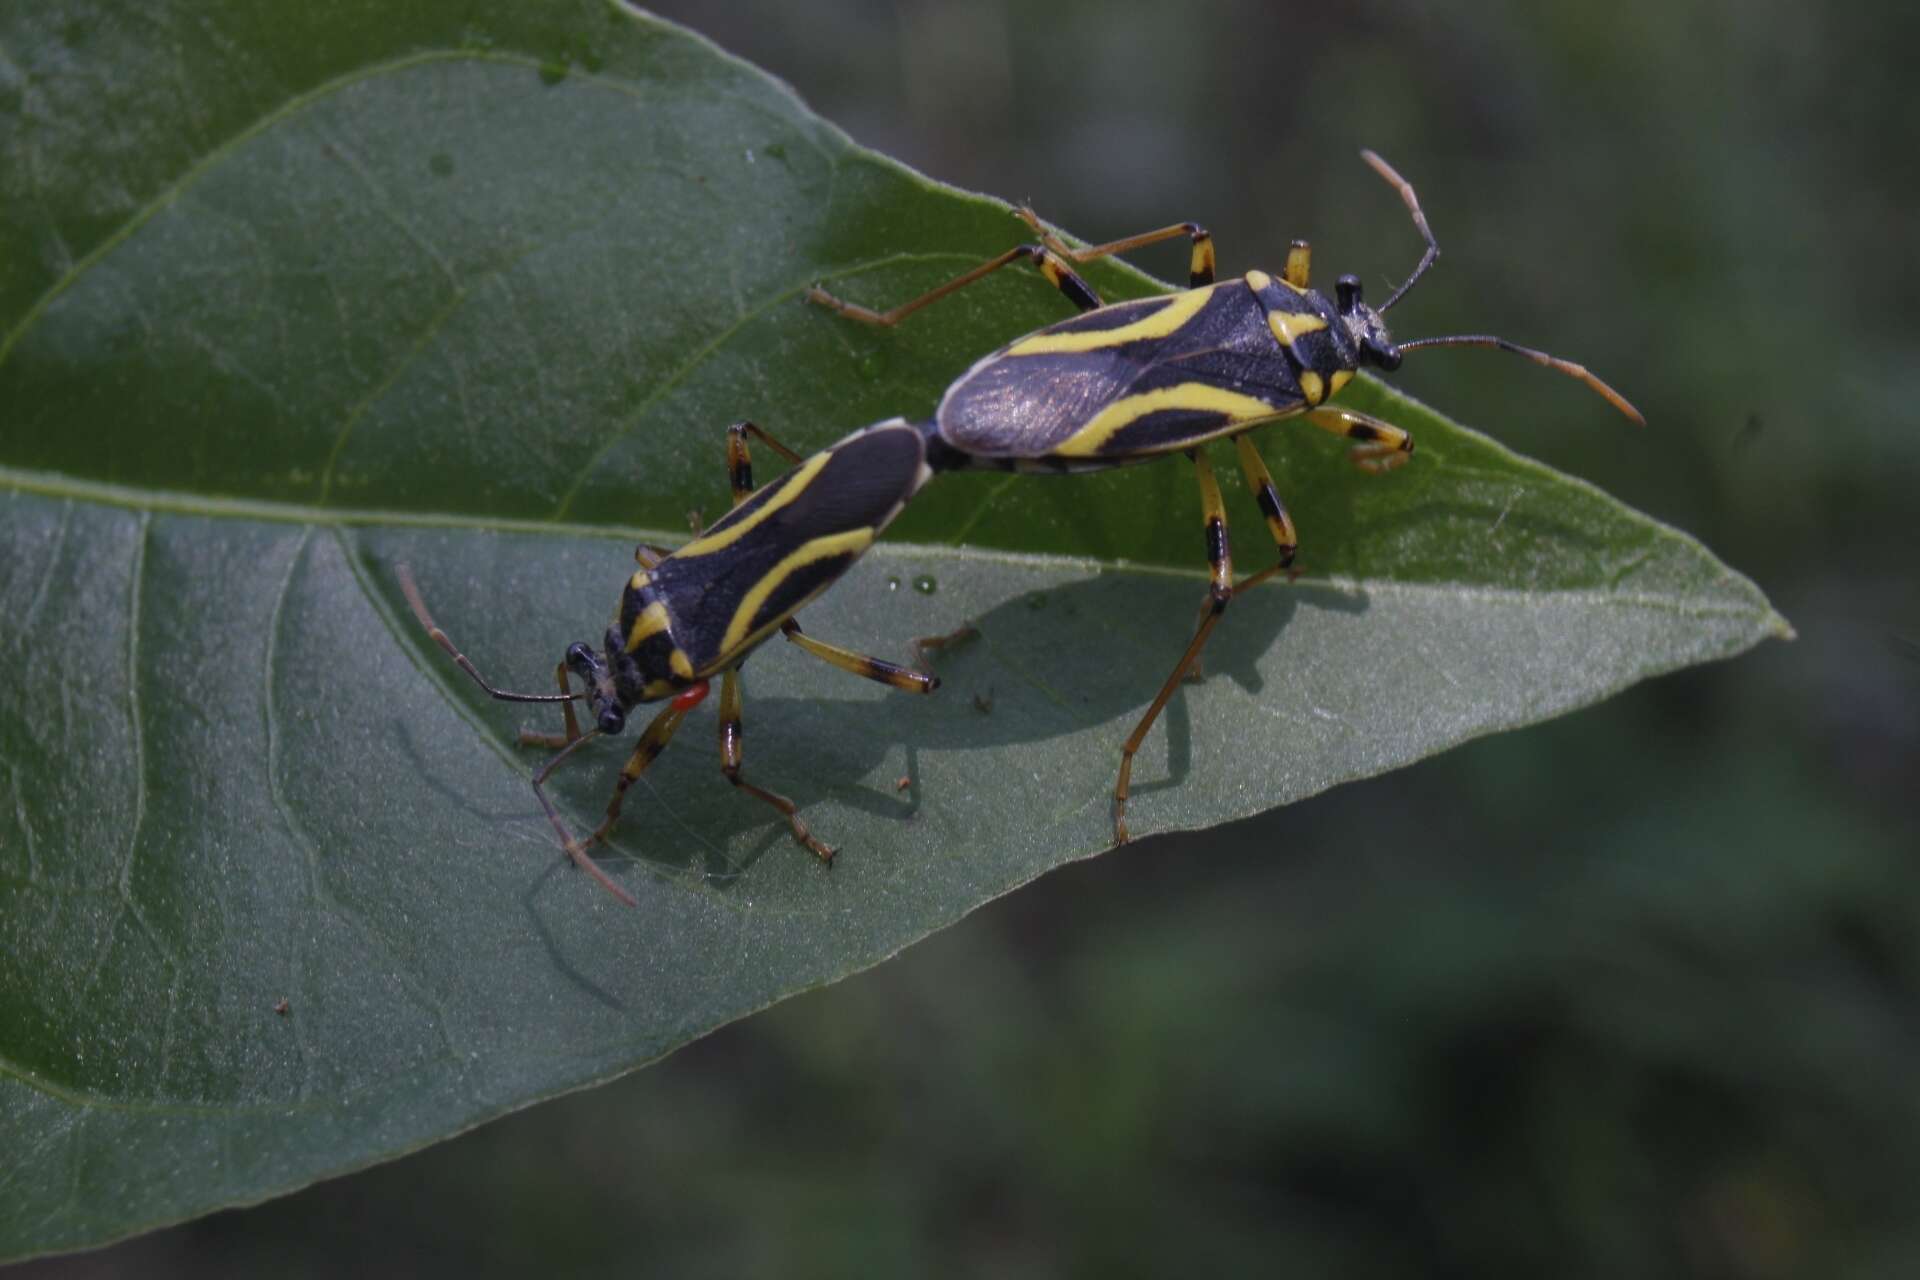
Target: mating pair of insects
1113,385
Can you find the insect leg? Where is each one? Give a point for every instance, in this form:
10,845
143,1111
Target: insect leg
730,755
1383,446
571,742
1299,266
1050,264
574,848
740,460
924,644
1279,523
879,669
651,744
1199,262
1219,594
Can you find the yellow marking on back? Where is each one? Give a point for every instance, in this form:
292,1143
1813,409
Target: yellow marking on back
852,542
1195,396
1258,280
1311,387
681,664
792,485
651,622
1288,325
638,580
1162,323
1339,379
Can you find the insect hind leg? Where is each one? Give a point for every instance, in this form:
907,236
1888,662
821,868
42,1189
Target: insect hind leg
1220,590
731,755
860,664
1200,261
1049,263
740,458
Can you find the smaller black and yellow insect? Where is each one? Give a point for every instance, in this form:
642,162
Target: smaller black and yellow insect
1139,380
694,614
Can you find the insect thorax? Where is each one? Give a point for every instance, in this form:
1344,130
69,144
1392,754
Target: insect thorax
648,662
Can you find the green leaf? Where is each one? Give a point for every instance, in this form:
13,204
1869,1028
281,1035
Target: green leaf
291,294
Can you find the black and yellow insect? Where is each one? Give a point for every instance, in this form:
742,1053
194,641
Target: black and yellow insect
1138,380
689,616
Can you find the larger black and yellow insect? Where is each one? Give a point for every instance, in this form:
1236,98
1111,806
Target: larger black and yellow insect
691,615
1139,380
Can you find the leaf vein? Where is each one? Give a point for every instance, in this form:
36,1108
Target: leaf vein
435,323
31,621
383,204
698,356
135,590
200,168
316,880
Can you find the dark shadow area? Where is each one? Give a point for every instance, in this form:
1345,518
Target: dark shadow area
1090,653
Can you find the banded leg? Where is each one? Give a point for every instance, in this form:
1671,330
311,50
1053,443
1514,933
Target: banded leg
1219,595
1279,523
1199,261
1050,264
651,744
730,755
1299,266
876,669
1383,446
659,733
740,459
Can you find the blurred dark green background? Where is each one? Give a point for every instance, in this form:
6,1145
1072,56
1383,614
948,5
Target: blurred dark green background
1634,994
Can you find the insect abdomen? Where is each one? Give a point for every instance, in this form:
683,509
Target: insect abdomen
1127,381
728,589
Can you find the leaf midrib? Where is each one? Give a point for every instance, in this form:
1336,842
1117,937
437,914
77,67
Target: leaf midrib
55,485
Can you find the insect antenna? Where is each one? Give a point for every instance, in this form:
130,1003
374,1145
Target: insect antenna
409,589
1555,363
1405,189
1427,259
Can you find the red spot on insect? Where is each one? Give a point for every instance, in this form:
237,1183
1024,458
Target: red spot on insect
689,698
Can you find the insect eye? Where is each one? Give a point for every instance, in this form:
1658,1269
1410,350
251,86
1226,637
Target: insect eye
612,720
1384,354
1346,291
582,661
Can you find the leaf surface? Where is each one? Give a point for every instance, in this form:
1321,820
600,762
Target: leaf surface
289,296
